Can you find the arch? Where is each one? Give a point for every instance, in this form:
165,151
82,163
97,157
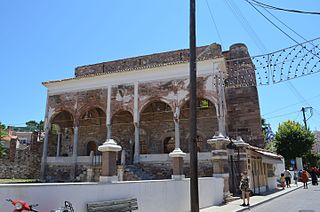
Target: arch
201,140
168,144
62,118
122,116
184,111
91,146
86,108
123,133
93,116
155,118
152,100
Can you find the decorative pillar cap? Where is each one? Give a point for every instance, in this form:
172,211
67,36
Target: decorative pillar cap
176,153
109,146
240,143
217,138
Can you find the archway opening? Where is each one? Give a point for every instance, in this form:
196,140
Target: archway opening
92,127
61,122
123,131
156,118
168,144
91,146
207,123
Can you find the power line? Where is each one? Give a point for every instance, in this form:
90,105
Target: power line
298,111
245,24
268,19
268,6
214,23
285,107
292,30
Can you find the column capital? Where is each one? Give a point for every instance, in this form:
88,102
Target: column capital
109,146
177,152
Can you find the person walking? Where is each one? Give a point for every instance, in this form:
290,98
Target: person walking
314,177
295,177
305,178
287,176
245,189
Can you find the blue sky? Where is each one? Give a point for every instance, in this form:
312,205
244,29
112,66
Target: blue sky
45,40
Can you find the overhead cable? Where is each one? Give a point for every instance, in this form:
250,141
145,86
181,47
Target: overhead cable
260,4
214,23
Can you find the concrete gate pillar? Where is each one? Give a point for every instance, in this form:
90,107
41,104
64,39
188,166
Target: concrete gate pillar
177,156
109,151
220,160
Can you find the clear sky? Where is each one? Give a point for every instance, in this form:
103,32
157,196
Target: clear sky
45,40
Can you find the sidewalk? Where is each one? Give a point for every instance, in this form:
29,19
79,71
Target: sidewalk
254,200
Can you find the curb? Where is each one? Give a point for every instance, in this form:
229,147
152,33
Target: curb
269,199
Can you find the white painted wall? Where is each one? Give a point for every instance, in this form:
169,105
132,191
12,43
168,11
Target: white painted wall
279,168
156,195
177,71
272,183
165,157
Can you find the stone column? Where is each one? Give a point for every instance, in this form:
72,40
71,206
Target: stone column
177,154
59,143
136,120
108,114
221,102
109,151
220,160
43,168
75,151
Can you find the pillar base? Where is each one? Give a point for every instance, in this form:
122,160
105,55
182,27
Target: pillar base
178,177
108,179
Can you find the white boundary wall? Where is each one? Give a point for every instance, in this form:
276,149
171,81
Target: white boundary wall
153,195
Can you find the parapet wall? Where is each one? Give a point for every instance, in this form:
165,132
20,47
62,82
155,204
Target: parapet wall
159,195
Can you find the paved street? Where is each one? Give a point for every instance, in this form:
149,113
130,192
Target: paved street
301,200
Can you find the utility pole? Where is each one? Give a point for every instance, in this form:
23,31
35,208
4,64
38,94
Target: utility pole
194,194
304,109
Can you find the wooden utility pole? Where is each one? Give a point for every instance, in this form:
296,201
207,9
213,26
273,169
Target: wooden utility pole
194,194
304,109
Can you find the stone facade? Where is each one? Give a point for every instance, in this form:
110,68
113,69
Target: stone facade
141,102
23,164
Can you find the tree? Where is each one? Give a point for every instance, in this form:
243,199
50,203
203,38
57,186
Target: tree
293,140
34,126
3,133
311,159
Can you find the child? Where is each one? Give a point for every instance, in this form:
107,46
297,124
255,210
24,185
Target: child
282,180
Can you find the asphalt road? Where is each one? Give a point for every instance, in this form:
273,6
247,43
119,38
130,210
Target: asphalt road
301,200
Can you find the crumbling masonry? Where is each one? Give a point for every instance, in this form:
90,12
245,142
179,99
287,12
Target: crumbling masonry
143,104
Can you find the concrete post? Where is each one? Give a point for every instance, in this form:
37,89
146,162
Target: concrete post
109,151
177,156
220,160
